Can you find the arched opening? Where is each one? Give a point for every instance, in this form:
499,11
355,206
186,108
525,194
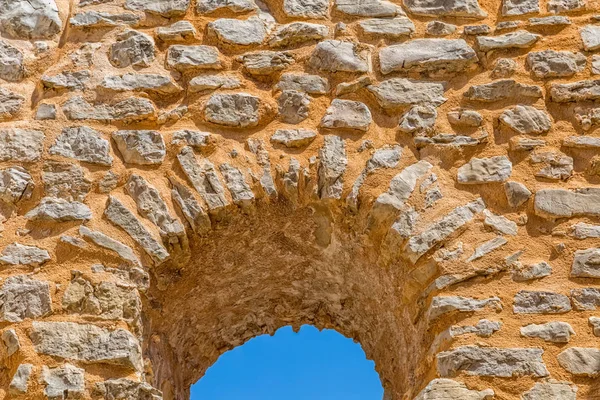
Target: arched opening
308,364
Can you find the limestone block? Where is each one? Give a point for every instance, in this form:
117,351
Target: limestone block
580,361
485,170
531,302
555,332
347,114
340,56
19,254
30,19
442,8
63,382
440,388
84,144
140,147
22,297
551,389
59,210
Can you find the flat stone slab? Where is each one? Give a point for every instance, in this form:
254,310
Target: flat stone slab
513,40
445,8
485,170
562,203
400,92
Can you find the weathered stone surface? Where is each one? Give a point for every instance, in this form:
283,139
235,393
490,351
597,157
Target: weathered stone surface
368,8
22,297
127,389
165,8
30,19
132,48
238,110
492,361
557,165
483,328
520,143
258,148
20,380
558,6
236,6
551,389
21,145
347,114
440,389
130,110
140,147
439,28
513,40
487,247
240,191
239,32
196,139
586,263
595,323
485,170
177,32
123,251
293,137
576,91
66,80
581,142
580,361
467,118
399,92
317,9
520,7
418,119
516,193
119,215
193,58
442,305
553,64
83,144
63,382
530,302
550,21
393,28
99,19
526,120
266,62
504,68
213,82
555,332
11,342
500,223
15,184
429,55
332,165
474,30
532,271
191,209
311,84
585,299
18,254
59,210
297,33
150,83
293,106
12,68
65,181
439,8
590,36
339,56
561,203
581,230
506,89
11,104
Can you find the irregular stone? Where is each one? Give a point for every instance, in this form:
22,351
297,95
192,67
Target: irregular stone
123,251
400,92
581,230
311,84
11,342
595,322
203,177
59,210
65,181
239,110
551,389
140,147
442,305
474,30
531,302
485,170
164,8
132,48
526,120
483,328
516,193
466,118
240,191
109,182
513,40
504,68
179,31
500,223
492,361
532,271
449,140
10,104
487,248
339,56
558,165
551,21
580,361
66,80
20,380
66,382
520,7
18,254
393,28
119,215
317,9
297,33
560,203
258,148
127,389
418,119
213,82
293,138
150,83
130,110
190,208
553,64
236,6
444,8
332,165
83,144
440,389
22,145
581,142
558,6
45,112
576,91
506,89
347,114
22,297
290,181
586,299
100,19
518,143
30,19
12,68
554,332
193,58
586,263
590,36
196,139
239,32
427,55
266,62
439,28
368,8
15,184
350,87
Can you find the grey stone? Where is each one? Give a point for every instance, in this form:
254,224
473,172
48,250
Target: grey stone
513,40
20,380
238,110
119,215
558,6
595,323
368,8
400,92
191,209
492,361
353,86
240,191
483,328
213,82
466,118
123,251
392,28
532,271
196,139
62,383
15,184
449,140
556,165
439,28
526,120
504,68
506,89
427,55
297,33
22,145
474,30
347,114
293,138
419,119
586,299
100,19
132,48
11,104
66,80
443,305
531,302
83,144
442,389
12,67
581,142
485,170
586,263
445,8
551,21
561,203
581,230
164,8
11,342
130,110
152,206
150,83
193,58
18,254
109,182
258,148
264,63
239,32
500,223
203,177
576,91
519,143
520,7
311,84
59,210
236,6
553,64
339,56
590,36
141,147
554,332
179,31
551,389
73,241
45,112
516,193
65,181
317,9
30,19
127,389
290,181
487,248
580,361
332,166
22,297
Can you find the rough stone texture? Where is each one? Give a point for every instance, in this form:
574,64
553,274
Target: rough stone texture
191,58
530,302
526,120
84,144
239,110
21,297
19,254
560,203
454,8
551,389
580,361
439,389
30,19
505,89
553,64
513,40
339,56
484,170
20,380
555,332
447,304
132,48
140,147
63,382
347,114
52,209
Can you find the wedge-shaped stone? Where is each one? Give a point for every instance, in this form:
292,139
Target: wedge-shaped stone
19,254
100,19
15,184
530,302
332,166
30,19
12,67
190,207
83,144
505,89
339,56
237,110
21,145
87,343
140,147
59,210
123,251
492,361
400,92
203,177
132,48
150,83
586,263
193,58
427,55
588,90
513,40
580,361
250,32
236,6
526,120
347,114
442,305
119,215
63,382
551,389
554,64
561,203
11,104
236,183
368,8
586,299
297,33
520,7
293,137
485,170
311,84
22,297
445,8
448,389
499,223
130,110
487,247
554,332
127,389
392,28
164,8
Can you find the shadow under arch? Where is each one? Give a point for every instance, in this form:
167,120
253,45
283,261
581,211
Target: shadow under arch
263,271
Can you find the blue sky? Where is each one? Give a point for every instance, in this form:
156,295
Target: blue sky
309,365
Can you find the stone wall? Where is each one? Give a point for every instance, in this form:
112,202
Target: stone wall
179,176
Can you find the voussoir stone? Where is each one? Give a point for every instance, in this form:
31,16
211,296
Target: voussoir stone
347,114
526,120
517,40
551,389
19,254
165,8
192,58
555,332
448,389
580,361
340,56
83,144
241,193
562,203
445,8
554,64
22,297
141,147
30,19
401,92
505,89
23,145
332,166
531,302
484,170
132,48
237,110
